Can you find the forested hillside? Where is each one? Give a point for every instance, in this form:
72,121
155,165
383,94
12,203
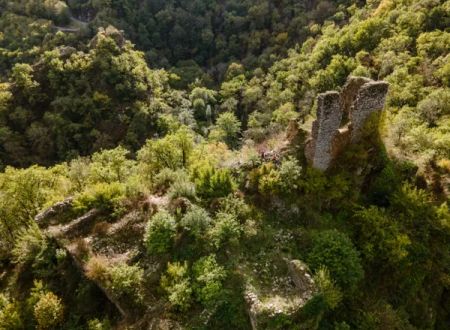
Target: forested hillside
159,164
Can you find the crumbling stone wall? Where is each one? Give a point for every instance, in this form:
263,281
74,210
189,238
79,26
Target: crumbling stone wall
360,97
266,307
329,116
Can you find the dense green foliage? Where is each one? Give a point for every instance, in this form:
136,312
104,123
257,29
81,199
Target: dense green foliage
191,34
189,147
160,232
74,103
335,251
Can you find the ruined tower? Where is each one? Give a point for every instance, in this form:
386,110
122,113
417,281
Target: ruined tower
359,98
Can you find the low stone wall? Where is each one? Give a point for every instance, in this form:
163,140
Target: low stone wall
266,309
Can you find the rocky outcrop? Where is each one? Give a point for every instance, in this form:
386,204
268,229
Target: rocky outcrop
341,119
301,276
48,216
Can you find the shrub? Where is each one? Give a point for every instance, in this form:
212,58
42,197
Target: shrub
380,238
123,280
10,314
48,311
176,283
435,105
284,180
269,180
236,206
211,182
209,277
258,123
96,324
172,151
110,166
29,244
82,248
126,281
102,196
227,129
160,232
331,294
97,268
335,251
164,179
284,114
226,229
383,316
384,186
290,172
196,221
182,188
101,228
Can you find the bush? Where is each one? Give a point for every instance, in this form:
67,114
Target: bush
172,151
211,182
110,166
284,180
29,244
209,277
164,179
102,196
182,188
383,186
176,283
196,221
284,114
226,230
48,311
82,248
126,281
236,206
331,294
96,324
381,239
9,314
335,251
160,232
227,129
435,106
97,269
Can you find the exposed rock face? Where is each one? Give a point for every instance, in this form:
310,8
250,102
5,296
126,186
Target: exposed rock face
45,218
359,98
301,277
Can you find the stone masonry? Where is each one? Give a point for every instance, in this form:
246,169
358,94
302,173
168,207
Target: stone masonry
359,98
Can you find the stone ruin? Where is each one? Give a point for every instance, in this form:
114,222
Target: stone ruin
93,232
71,234
341,119
264,307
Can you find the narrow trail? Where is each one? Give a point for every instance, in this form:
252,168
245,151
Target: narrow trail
75,25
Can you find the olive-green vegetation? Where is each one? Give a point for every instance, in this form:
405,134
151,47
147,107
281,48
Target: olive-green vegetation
192,139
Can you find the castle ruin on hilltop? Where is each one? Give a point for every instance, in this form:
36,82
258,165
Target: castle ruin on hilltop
341,118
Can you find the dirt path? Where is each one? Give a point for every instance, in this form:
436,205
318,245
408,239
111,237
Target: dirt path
75,25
